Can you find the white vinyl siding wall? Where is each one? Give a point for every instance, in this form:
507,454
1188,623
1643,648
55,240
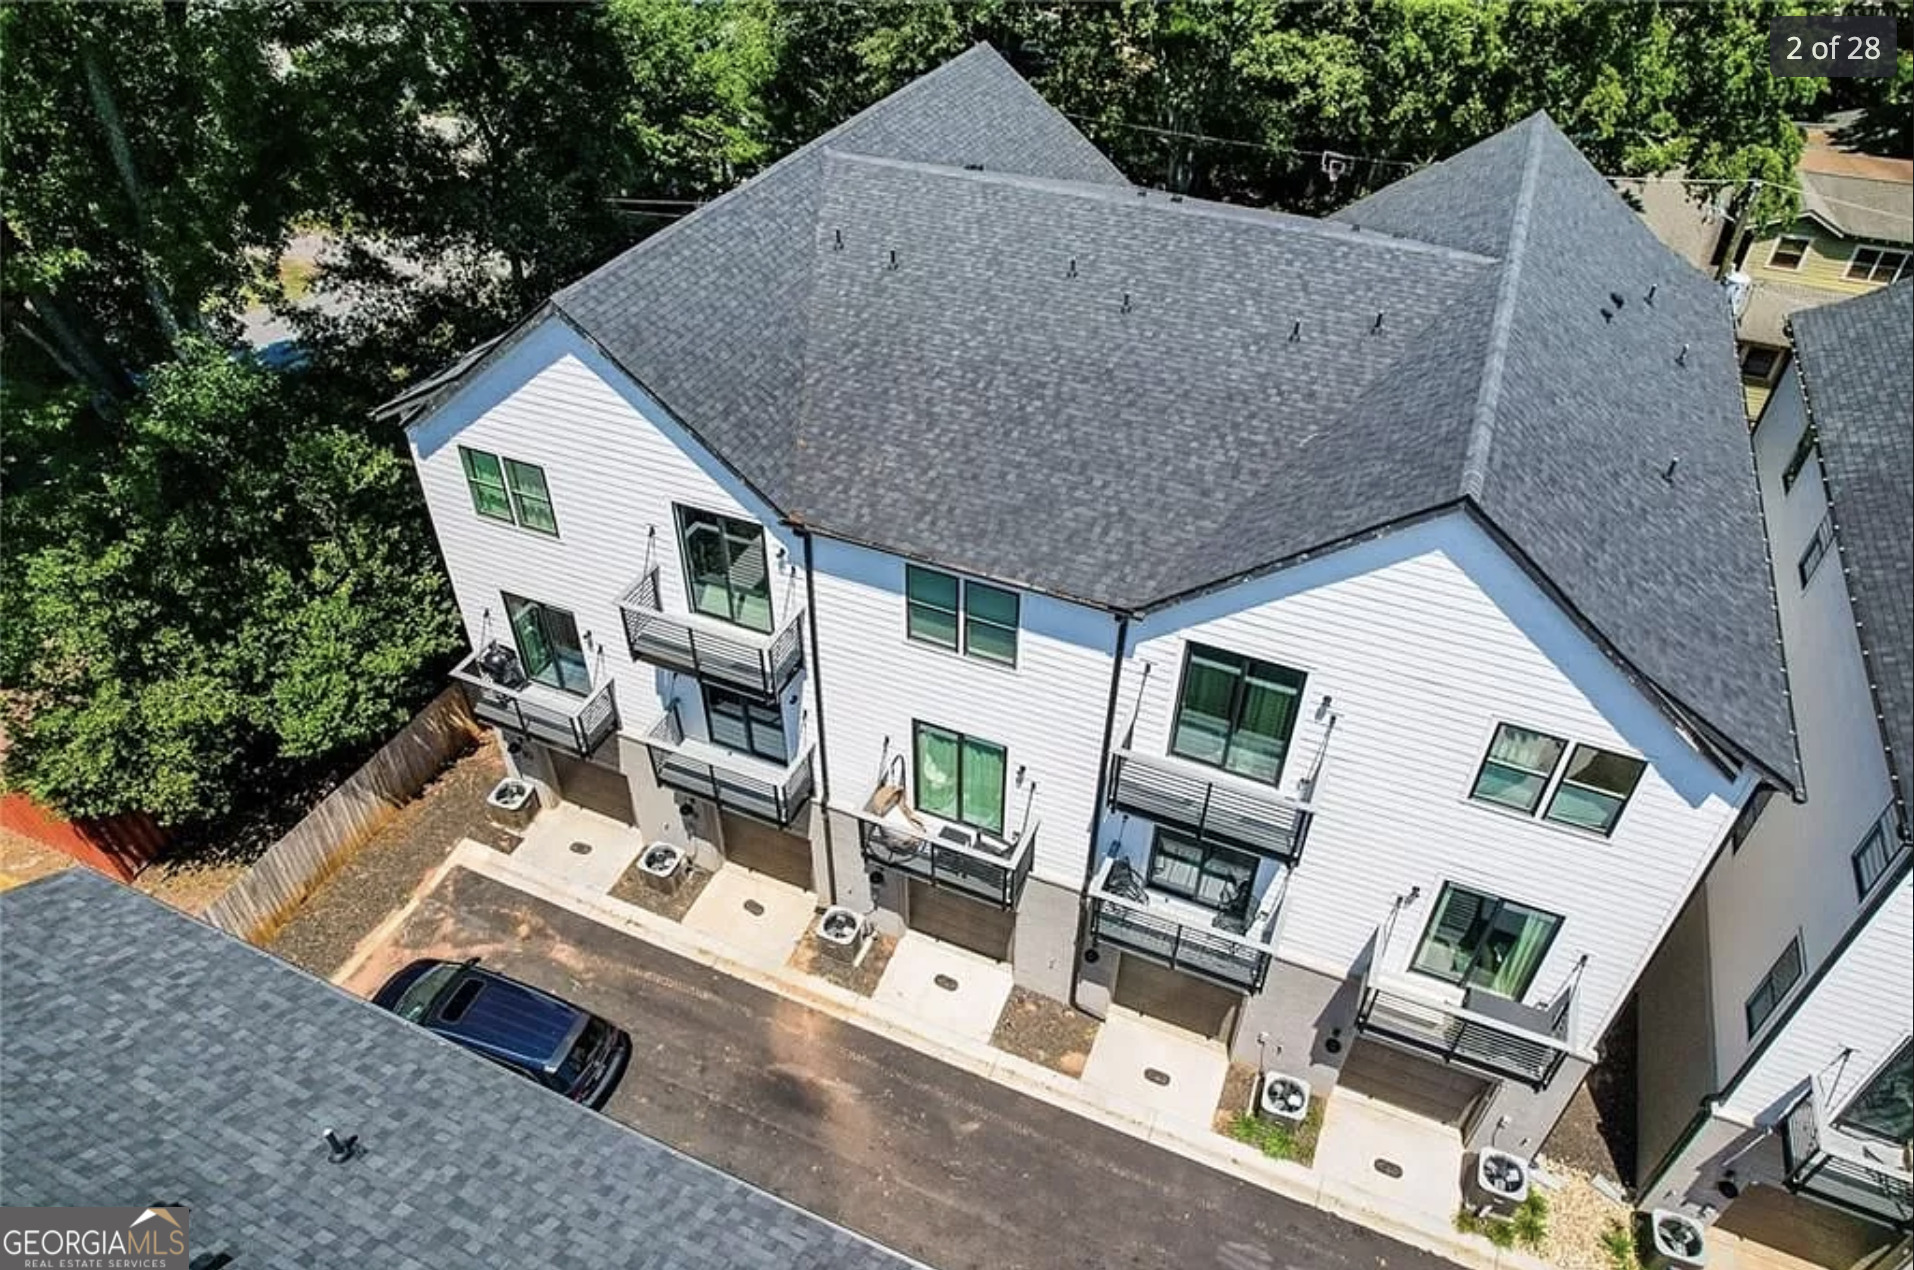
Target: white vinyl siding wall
1047,712
1426,639
614,463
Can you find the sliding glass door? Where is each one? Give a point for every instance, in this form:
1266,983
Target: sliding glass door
1236,713
1480,941
548,646
725,572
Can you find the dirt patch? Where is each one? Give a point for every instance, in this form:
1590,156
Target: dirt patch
635,888
22,859
1033,1026
385,871
1596,1134
185,882
861,978
1239,1094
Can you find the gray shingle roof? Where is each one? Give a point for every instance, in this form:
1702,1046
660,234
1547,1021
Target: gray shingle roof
1859,206
1857,370
982,405
147,1057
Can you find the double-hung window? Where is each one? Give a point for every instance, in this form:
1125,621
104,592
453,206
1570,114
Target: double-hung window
1774,986
1758,362
959,777
746,724
1215,877
1884,1108
1236,713
960,615
548,645
1480,941
1876,264
1521,769
1798,460
508,490
1876,853
1816,550
726,575
1788,253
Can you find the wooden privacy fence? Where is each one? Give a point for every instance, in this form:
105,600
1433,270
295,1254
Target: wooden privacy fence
292,867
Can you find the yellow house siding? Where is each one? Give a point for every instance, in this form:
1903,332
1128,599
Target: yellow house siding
1824,267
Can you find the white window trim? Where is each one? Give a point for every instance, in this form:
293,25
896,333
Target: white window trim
1807,247
1900,265
1556,776
961,653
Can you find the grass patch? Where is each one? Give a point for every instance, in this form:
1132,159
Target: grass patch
1618,1245
1281,1139
295,277
1528,1226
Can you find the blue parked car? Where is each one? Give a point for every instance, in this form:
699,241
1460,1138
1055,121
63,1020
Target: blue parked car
534,1033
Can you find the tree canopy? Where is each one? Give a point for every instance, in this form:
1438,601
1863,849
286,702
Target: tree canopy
206,561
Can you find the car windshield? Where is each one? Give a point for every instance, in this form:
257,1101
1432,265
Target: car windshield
589,1042
417,999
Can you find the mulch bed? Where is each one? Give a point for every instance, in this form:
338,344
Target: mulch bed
633,888
384,872
862,978
1033,1026
1239,1088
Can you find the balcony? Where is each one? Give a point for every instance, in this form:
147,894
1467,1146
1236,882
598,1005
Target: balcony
1845,1170
1181,935
734,781
947,855
1488,1033
1213,805
578,724
715,651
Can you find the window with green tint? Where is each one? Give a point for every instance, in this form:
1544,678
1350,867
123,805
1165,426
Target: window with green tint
959,615
726,575
1594,788
1884,1108
931,607
959,777
1774,986
531,500
548,645
1480,941
1236,713
1517,767
487,482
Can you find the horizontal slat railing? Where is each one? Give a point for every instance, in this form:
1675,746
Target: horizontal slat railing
1179,795
996,878
1240,962
1824,1165
580,724
760,665
731,788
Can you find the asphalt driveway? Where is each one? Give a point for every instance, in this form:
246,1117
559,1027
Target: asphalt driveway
943,1165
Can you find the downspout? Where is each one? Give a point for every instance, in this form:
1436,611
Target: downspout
817,692
1096,809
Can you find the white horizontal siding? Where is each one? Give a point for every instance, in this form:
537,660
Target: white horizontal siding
1793,875
1047,712
615,463
1865,1003
1424,640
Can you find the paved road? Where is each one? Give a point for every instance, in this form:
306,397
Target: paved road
948,1167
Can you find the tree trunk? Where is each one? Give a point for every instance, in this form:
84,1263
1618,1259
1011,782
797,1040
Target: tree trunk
108,115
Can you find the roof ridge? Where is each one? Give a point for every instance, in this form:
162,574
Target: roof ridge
1475,462
1165,202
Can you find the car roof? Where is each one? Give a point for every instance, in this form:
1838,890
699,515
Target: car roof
505,1018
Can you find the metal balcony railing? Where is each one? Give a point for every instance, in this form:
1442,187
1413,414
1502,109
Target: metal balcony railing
1180,938
1212,805
708,648
1489,1033
735,782
984,867
1827,1163
579,724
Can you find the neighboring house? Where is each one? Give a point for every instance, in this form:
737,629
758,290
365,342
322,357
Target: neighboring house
150,1059
1854,235
1347,639
1777,1080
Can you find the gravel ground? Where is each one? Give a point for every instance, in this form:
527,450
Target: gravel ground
1578,1214
1033,1026
862,978
1596,1133
384,872
634,888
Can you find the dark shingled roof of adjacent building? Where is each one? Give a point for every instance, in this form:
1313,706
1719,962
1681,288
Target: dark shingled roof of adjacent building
950,329
1857,373
148,1058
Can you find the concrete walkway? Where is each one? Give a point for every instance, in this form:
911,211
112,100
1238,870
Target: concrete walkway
1110,1106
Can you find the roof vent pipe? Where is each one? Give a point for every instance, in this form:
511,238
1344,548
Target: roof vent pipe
1126,302
1296,331
1681,358
1668,473
1650,297
338,1149
893,260
1377,328
1071,272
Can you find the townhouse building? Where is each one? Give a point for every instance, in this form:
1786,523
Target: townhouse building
1347,639
1777,1079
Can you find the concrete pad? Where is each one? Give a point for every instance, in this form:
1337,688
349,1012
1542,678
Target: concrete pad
1359,1131
952,989
551,847
758,918
1132,1048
